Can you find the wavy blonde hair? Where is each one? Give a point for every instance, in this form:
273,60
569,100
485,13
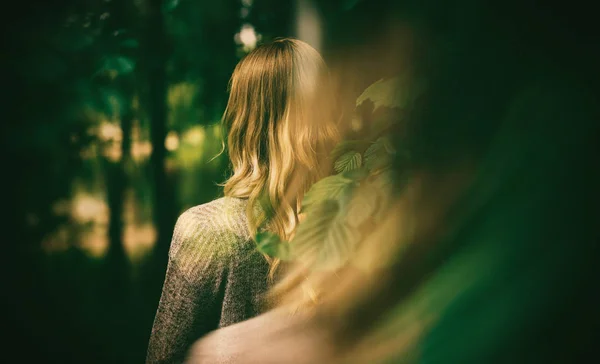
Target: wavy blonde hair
280,126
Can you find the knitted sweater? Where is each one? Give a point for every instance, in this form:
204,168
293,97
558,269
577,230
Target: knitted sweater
215,278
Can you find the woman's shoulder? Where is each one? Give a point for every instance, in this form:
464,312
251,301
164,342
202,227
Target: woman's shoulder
224,212
214,228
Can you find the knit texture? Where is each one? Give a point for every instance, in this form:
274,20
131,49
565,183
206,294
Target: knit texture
215,278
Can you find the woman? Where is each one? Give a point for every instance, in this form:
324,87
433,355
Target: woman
279,129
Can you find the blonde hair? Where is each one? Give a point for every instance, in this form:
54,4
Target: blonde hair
280,125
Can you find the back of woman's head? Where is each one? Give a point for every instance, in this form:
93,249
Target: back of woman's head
279,122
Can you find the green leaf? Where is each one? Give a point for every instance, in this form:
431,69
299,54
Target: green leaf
375,148
348,162
271,245
122,65
374,154
377,156
324,239
383,119
357,175
336,187
400,91
388,93
347,146
378,164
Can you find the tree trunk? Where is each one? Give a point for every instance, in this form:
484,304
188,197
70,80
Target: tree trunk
117,180
116,186
156,53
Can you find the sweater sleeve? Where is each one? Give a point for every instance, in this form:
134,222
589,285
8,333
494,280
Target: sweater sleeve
192,295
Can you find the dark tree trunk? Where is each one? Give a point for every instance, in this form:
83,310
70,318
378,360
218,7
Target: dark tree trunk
117,180
156,53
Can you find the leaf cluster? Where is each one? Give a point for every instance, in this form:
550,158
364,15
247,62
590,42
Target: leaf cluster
343,208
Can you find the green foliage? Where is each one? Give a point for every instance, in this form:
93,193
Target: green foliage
382,120
396,92
325,238
384,93
377,156
343,208
338,206
271,245
348,162
357,175
337,187
119,64
348,145
361,208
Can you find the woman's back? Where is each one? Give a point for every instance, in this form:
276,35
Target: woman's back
275,141
215,278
